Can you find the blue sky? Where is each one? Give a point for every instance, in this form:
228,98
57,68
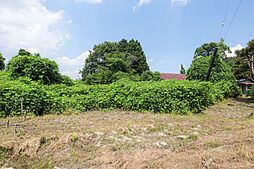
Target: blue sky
169,30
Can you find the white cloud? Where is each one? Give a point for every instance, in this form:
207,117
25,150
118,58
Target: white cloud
90,1
173,2
180,2
71,66
33,50
141,3
29,24
233,50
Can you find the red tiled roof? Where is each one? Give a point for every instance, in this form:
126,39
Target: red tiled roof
167,76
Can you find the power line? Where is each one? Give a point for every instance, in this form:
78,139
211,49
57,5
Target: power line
240,2
224,19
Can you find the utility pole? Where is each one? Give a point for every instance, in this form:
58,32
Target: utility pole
211,63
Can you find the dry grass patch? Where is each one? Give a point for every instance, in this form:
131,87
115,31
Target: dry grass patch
221,137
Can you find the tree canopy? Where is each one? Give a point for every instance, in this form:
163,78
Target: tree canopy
207,49
182,70
244,62
200,65
34,67
2,64
111,59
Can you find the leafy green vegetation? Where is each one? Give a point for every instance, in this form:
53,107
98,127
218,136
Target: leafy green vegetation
202,60
199,68
111,61
251,92
207,49
34,67
244,61
2,64
23,96
226,89
182,70
164,96
116,76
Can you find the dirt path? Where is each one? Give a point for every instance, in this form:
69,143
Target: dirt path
222,137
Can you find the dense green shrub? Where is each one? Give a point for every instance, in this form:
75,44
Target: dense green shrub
14,95
34,67
120,75
24,96
2,64
251,92
220,71
163,96
226,89
66,80
148,76
154,96
4,76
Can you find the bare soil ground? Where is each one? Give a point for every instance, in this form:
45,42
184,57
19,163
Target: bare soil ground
221,137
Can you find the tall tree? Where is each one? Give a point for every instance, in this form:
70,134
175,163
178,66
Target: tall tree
200,65
207,49
23,52
2,64
108,58
182,70
244,63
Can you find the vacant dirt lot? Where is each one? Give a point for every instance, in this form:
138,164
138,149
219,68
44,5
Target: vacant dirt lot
221,137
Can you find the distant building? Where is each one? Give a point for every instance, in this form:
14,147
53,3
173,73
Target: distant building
168,76
245,84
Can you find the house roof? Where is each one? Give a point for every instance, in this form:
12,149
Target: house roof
167,76
246,81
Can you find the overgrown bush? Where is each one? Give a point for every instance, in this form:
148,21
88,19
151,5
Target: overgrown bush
34,67
2,64
251,92
220,71
22,96
148,76
66,80
164,96
226,89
